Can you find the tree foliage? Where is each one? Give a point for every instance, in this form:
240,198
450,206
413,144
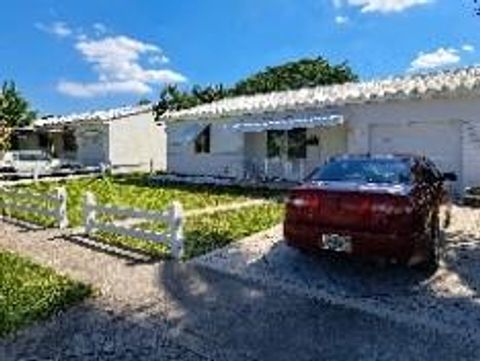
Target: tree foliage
5,133
14,108
14,112
305,73
309,72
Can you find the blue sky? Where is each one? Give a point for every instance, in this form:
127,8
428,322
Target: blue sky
71,55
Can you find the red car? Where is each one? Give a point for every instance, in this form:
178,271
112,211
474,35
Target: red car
382,207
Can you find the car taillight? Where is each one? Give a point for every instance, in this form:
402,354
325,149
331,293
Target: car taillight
302,201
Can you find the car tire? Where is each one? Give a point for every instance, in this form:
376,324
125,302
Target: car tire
434,251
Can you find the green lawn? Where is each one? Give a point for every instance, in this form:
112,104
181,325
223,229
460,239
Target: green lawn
29,292
206,233
136,191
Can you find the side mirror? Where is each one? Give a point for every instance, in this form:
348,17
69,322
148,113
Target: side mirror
449,176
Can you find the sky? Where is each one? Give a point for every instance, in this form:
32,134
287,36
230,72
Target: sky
71,56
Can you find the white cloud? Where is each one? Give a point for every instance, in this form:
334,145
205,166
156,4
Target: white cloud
58,28
158,59
117,62
382,6
100,28
438,58
87,90
341,20
468,48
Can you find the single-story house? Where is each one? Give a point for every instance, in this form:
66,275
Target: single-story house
124,138
285,135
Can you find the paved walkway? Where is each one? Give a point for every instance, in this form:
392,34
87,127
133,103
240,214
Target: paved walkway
172,311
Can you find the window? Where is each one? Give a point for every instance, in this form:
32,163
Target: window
297,143
275,143
425,172
43,140
202,142
69,140
291,143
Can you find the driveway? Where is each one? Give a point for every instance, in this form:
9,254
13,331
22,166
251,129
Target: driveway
256,300
448,301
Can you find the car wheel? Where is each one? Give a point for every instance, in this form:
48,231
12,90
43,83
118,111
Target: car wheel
434,247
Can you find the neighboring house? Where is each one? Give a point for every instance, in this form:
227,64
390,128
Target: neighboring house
285,135
125,138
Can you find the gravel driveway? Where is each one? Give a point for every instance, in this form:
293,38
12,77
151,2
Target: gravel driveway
448,301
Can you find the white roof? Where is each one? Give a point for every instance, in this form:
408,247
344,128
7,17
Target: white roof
431,85
99,115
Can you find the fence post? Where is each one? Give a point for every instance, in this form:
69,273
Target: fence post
176,226
62,215
36,172
89,212
3,208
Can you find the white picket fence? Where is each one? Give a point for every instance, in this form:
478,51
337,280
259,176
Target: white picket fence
173,217
23,200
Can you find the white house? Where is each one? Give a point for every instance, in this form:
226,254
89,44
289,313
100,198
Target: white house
125,138
284,135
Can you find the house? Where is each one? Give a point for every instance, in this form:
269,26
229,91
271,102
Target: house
285,135
124,138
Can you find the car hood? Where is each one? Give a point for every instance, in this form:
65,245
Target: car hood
395,189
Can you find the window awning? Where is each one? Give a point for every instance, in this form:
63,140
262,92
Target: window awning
188,134
287,124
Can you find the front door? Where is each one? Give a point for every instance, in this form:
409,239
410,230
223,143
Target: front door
286,154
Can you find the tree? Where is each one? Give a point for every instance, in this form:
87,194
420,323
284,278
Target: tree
5,133
305,73
14,112
293,75
144,101
14,109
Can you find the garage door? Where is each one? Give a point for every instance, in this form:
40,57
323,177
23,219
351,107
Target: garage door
441,142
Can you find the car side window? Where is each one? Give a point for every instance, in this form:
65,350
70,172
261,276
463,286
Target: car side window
433,168
429,174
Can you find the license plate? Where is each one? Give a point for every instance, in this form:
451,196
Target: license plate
336,243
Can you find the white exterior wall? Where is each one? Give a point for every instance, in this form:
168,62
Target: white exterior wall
231,151
466,111
227,152
225,157
92,143
135,141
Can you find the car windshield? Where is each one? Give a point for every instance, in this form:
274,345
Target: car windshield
390,171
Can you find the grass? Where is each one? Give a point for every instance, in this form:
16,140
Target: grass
29,292
206,233
136,191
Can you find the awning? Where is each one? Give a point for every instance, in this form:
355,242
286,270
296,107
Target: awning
286,124
188,134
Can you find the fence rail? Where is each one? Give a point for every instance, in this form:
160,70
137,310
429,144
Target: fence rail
23,200
173,217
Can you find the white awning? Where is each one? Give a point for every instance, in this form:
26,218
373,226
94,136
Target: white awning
287,124
188,134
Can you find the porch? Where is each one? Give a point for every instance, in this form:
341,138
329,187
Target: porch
59,142
289,150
